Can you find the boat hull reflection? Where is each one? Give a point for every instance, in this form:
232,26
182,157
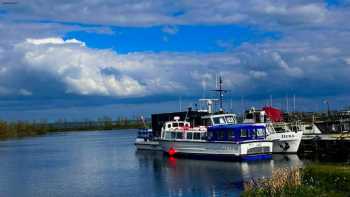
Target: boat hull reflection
192,177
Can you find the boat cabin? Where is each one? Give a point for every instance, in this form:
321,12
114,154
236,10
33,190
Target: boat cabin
145,133
236,132
255,116
181,130
176,125
219,119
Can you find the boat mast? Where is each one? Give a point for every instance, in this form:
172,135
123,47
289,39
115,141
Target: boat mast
294,103
221,93
270,100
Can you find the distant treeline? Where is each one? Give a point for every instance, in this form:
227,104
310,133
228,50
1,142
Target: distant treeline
25,128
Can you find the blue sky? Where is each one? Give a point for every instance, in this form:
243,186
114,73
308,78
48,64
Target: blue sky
174,38
125,58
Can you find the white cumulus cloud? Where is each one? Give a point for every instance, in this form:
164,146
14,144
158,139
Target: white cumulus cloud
55,40
81,69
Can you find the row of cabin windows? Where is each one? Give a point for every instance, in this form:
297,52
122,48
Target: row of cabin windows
231,134
195,136
178,124
224,120
219,120
189,135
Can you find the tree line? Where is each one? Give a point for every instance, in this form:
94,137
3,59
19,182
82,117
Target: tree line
20,129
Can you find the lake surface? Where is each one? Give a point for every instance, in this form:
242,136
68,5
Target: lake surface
106,163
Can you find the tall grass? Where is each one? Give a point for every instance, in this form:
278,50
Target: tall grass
312,180
280,181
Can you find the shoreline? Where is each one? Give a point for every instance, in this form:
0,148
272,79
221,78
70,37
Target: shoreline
18,130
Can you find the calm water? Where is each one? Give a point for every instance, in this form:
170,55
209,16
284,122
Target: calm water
107,164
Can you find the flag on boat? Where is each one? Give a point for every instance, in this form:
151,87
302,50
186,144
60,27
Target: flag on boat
274,114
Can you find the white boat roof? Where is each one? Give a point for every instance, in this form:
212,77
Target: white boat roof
176,121
218,115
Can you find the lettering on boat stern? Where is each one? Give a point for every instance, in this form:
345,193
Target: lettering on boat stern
288,136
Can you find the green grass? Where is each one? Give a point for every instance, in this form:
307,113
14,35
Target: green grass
312,180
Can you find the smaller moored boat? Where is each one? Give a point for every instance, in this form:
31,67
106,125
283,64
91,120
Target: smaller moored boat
146,141
286,137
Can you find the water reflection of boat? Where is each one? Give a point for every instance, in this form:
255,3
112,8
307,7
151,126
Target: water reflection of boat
189,177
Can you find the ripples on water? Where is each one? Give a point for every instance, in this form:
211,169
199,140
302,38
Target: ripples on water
106,163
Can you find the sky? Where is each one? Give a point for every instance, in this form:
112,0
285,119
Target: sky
86,59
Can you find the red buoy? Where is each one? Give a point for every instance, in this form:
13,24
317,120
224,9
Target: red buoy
171,151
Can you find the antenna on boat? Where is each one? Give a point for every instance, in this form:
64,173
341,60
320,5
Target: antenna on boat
294,103
209,103
188,110
204,85
221,92
180,103
270,100
143,121
242,105
287,103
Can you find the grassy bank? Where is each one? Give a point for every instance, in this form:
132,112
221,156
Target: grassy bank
312,180
24,129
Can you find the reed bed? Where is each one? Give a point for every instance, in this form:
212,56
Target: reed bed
280,180
312,180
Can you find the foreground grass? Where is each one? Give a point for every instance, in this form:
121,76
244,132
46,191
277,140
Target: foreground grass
312,180
21,129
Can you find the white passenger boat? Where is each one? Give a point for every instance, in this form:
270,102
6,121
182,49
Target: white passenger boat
232,141
286,137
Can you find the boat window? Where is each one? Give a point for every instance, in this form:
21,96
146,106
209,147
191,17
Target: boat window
196,136
279,129
167,135
187,125
175,124
178,135
249,115
216,121
219,120
203,136
244,133
210,135
260,132
189,135
252,133
221,135
169,125
294,128
173,135
207,122
230,135
230,119
181,124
